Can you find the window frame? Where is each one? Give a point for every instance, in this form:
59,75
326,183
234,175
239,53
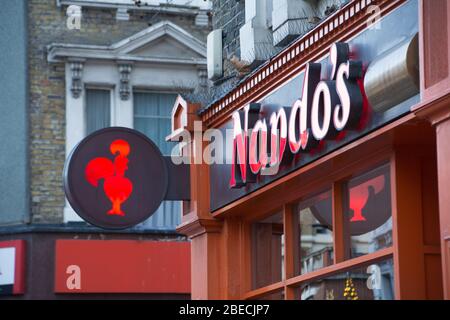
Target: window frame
342,261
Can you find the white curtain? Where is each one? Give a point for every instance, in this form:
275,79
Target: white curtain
152,112
98,110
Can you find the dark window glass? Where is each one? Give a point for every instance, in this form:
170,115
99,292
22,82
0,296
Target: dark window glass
316,237
367,205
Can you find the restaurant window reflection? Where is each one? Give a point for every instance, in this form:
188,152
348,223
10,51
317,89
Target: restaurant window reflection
368,211
371,282
314,216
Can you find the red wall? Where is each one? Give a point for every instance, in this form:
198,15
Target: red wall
122,266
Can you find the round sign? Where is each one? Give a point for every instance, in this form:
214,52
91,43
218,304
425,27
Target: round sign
366,206
115,178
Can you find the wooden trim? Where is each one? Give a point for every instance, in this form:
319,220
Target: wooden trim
340,225
434,109
246,258
327,271
289,293
258,293
291,247
341,267
433,250
289,241
291,60
200,226
407,220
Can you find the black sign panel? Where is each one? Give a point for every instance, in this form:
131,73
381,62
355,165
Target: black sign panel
115,178
366,47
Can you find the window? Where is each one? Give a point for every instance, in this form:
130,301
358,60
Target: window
98,109
334,243
370,282
367,206
314,216
152,114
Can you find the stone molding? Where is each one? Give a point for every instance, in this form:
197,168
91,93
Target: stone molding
76,69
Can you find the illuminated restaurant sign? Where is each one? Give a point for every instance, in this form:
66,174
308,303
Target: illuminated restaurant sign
326,108
345,92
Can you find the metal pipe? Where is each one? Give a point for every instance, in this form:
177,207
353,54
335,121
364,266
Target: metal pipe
394,76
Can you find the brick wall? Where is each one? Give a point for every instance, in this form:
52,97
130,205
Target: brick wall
229,15
47,24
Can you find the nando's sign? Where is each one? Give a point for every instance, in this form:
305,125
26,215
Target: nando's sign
261,143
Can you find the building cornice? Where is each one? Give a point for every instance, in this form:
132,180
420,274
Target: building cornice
59,53
198,227
123,49
434,109
162,8
79,227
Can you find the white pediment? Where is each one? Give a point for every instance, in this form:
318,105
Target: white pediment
163,42
166,46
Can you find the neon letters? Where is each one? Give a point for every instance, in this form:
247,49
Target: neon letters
326,108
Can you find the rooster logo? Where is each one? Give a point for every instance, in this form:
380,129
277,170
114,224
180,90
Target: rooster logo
117,187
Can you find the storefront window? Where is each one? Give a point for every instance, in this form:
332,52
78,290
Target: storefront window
315,235
371,282
325,239
367,205
267,251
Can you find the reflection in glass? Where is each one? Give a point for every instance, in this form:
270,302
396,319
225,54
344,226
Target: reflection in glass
316,238
372,282
267,251
367,201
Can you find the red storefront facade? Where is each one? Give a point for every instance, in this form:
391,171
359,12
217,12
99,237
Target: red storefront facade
364,214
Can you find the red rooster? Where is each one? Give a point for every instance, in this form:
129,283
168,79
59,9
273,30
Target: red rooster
116,186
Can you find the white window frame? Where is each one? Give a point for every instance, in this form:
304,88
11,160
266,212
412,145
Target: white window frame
121,110
98,67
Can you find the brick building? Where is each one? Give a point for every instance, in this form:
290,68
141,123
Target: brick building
352,205
334,182
80,66
254,31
